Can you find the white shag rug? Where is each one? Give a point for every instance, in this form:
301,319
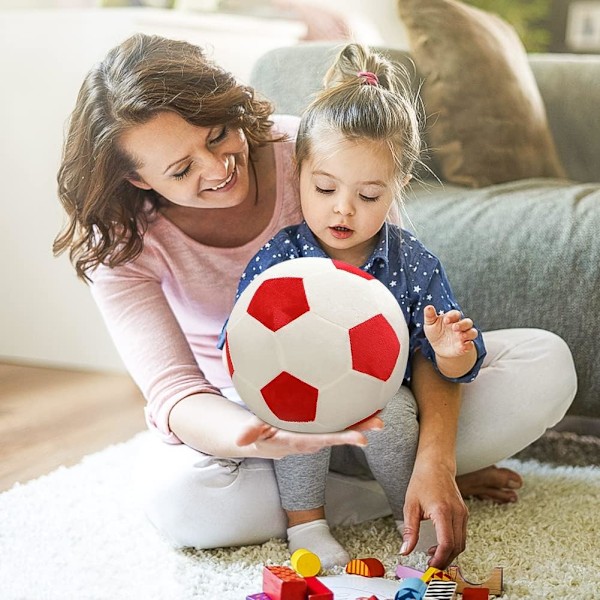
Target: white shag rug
77,534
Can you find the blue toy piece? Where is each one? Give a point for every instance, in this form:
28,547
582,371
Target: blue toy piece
412,588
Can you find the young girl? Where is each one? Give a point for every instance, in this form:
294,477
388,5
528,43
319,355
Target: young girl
356,148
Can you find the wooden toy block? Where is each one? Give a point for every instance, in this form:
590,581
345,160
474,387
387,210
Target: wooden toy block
480,593
259,596
404,572
317,590
367,567
283,583
430,574
438,589
494,582
412,588
305,562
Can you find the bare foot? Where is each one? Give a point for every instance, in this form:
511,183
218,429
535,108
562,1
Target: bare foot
491,483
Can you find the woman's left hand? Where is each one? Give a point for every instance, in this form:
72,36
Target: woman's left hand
433,494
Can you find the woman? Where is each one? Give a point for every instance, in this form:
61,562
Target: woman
173,176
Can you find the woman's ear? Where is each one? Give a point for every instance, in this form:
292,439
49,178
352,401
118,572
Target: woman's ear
138,183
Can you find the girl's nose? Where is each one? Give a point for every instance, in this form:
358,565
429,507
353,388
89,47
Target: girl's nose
344,205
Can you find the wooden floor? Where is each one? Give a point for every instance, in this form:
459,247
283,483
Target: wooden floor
53,417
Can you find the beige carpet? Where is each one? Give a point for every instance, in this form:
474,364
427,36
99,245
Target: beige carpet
78,533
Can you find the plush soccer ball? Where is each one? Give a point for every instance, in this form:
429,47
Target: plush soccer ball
316,345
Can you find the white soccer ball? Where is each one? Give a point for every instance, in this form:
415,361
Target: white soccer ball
316,345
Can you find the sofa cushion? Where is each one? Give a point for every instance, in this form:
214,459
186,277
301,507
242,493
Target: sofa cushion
522,254
487,122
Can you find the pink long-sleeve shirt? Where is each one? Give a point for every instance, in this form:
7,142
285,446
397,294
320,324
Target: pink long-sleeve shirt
165,309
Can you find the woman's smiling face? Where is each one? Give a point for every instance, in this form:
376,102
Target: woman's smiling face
196,167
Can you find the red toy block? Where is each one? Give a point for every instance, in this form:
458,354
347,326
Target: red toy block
283,583
367,567
480,593
317,590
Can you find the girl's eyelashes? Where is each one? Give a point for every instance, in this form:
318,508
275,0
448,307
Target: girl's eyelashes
183,173
331,191
323,190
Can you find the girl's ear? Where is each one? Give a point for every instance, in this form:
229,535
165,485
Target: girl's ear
138,183
406,180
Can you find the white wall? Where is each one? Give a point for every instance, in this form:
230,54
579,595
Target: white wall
46,315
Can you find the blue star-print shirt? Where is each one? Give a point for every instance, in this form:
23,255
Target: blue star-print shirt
414,275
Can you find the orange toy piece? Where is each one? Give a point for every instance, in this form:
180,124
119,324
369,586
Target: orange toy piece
283,583
305,562
367,567
494,582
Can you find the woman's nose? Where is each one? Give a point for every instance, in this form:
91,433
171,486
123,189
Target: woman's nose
215,168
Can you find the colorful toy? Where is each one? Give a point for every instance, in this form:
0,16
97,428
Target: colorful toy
317,590
403,572
480,593
367,567
494,582
316,345
438,589
283,583
259,596
305,562
412,588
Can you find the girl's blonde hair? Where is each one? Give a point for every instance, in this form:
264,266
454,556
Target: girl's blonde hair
143,76
365,96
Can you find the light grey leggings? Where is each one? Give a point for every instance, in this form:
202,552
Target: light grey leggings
389,458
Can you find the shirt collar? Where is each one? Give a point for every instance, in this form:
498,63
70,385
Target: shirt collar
306,236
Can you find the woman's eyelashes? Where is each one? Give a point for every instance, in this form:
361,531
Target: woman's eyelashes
222,134
212,141
183,173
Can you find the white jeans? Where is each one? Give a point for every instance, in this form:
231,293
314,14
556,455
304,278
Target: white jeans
525,385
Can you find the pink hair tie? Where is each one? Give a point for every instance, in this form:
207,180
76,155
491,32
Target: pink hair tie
370,78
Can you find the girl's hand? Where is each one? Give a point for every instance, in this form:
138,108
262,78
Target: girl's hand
449,334
258,438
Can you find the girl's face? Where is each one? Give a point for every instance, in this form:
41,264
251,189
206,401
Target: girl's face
196,167
346,191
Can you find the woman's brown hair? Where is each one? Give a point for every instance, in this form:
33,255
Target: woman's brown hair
145,75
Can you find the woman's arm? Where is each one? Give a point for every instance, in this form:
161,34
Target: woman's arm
215,425
432,492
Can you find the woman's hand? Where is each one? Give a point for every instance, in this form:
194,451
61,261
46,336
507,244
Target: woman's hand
258,438
433,494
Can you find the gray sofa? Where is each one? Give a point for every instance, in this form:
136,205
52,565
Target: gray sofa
519,254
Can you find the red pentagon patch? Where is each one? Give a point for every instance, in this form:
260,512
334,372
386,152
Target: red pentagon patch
278,302
342,266
375,347
228,358
291,399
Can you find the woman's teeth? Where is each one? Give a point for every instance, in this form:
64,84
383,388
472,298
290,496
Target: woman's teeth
222,185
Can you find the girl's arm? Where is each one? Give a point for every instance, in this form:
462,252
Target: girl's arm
432,492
